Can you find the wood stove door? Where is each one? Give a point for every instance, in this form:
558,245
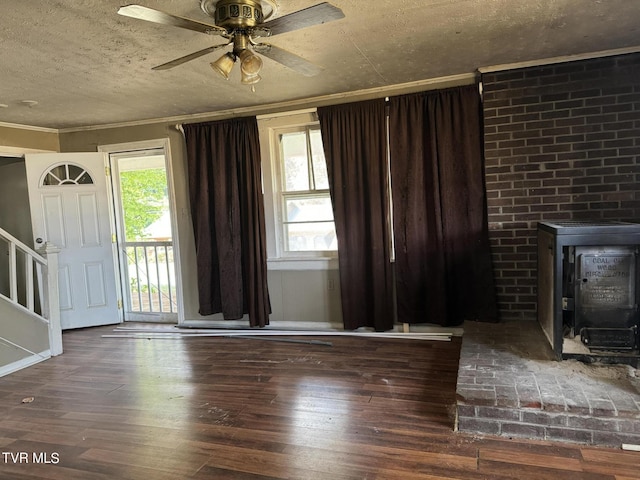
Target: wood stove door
606,310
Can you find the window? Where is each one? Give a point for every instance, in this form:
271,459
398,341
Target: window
306,215
67,174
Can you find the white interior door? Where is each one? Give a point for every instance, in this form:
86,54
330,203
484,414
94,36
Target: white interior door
70,209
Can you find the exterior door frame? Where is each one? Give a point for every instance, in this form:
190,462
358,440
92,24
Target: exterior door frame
161,143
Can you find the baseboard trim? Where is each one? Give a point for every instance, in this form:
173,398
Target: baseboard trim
293,325
274,325
24,363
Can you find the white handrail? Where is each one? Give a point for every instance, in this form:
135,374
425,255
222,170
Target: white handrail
22,246
48,269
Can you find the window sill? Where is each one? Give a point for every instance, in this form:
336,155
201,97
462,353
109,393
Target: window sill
306,263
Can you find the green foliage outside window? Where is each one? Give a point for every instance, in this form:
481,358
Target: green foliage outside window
143,200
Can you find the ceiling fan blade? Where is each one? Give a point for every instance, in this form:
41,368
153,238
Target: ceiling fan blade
288,59
321,13
156,16
188,58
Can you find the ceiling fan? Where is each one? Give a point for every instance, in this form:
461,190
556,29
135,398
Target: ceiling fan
241,23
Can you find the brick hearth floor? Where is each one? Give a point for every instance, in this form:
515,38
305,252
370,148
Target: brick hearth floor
509,385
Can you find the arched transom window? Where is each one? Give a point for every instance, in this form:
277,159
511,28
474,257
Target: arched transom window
67,174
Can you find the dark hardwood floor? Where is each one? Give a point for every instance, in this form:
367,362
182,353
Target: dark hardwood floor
221,408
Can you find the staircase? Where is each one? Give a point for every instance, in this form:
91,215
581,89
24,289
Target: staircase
29,305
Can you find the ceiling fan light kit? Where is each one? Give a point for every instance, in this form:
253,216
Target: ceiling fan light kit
250,64
224,64
250,79
240,22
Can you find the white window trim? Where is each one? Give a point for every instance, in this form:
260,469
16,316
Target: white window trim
277,257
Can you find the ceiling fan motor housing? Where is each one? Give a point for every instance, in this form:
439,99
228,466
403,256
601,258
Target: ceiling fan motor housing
238,14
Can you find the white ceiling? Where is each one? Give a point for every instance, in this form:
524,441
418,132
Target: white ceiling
86,65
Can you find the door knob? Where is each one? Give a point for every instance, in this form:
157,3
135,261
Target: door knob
39,240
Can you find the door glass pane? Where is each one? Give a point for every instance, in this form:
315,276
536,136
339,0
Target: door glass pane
67,174
74,172
146,227
50,179
84,179
145,200
56,175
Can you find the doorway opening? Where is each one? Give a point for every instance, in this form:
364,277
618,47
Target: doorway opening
144,221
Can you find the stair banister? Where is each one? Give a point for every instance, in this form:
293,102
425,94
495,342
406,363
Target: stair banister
52,299
49,268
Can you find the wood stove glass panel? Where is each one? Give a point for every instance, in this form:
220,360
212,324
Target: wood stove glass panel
605,297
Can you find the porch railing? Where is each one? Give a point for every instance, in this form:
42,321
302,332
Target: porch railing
151,277
30,273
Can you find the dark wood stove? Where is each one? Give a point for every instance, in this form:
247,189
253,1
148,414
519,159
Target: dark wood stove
588,290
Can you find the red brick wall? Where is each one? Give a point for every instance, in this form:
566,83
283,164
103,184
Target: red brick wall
562,142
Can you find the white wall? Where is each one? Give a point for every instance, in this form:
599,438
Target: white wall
21,328
305,296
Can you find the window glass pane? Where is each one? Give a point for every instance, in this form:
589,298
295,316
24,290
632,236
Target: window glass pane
303,237
85,179
74,172
50,180
308,209
79,175
319,164
305,208
67,175
295,164
56,175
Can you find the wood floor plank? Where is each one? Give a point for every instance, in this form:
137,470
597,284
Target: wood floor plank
207,472
499,470
182,464
602,461
530,459
609,469
371,459
608,456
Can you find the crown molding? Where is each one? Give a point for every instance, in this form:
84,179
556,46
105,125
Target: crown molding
28,127
562,59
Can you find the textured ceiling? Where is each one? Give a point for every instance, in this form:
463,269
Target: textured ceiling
86,65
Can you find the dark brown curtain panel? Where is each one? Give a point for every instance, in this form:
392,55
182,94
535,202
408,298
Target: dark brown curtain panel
443,264
354,138
227,209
